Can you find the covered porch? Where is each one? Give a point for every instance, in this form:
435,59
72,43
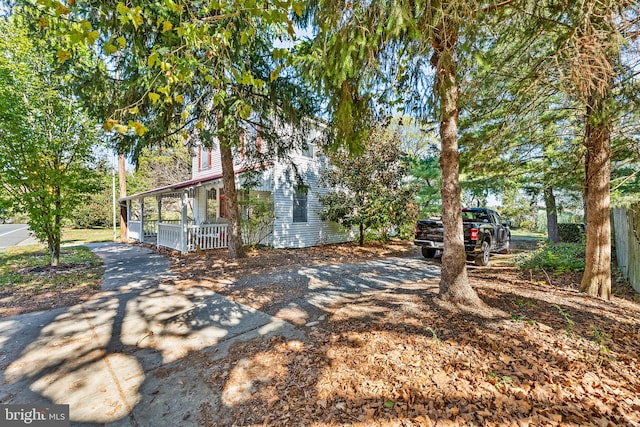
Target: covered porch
188,216
165,217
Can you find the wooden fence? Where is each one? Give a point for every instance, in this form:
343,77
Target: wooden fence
626,228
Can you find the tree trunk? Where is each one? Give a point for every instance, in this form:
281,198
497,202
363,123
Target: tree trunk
122,177
236,250
552,214
454,282
54,232
596,280
361,234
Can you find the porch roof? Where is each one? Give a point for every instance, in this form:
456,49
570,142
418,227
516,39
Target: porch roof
172,187
185,184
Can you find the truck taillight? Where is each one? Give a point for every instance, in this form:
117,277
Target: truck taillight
474,234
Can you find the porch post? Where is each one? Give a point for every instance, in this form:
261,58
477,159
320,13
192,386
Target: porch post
183,223
159,203
128,203
142,220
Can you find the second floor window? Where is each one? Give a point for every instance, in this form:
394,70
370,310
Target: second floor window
205,158
307,150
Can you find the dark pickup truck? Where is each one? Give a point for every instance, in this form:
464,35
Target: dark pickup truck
484,232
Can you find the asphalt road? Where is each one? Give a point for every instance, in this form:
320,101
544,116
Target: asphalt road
13,234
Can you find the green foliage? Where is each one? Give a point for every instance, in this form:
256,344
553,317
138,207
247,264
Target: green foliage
571,233
46,139
163,165
368,189
97,210
257,216
558,258
425,175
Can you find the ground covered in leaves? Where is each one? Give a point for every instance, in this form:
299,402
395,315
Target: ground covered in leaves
539,353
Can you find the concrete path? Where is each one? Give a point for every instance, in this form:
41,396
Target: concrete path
109,357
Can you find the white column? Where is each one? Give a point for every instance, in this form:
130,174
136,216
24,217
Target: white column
183,223
159,203
142,219
128,202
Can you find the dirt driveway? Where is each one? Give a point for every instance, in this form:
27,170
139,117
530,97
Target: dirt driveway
380,348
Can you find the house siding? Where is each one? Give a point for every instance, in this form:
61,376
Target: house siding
314,232
280,180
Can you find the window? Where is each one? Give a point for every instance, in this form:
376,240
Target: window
212,205
300,204
307,150
205,158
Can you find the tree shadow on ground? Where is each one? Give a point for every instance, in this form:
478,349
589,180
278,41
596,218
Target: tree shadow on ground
388,351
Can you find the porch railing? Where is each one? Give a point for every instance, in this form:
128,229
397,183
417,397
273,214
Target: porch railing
150,227
134,229
207,236
169,235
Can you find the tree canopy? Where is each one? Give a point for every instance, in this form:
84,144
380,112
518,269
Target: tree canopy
46,139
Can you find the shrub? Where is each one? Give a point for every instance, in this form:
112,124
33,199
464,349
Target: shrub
558,258
528,225
571,233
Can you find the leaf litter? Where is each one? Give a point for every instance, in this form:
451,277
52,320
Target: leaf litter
537,355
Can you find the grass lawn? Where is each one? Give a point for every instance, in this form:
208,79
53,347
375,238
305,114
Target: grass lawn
88,235
526,234
28,283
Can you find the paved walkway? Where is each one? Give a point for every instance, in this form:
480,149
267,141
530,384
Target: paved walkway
109,357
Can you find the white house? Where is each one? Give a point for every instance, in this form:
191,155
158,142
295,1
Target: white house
190,215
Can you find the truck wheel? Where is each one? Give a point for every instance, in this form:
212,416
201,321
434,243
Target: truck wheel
428,252
483,258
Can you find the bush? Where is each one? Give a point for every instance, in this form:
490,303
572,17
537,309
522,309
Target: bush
528,225
557,258
571,233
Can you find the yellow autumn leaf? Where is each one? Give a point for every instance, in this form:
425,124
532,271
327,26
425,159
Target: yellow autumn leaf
108,125
134,110
121,129
109,49
154,97
167,26
122,42
179,98
138,128
152,59
92,36
43,22
60,8
63,55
